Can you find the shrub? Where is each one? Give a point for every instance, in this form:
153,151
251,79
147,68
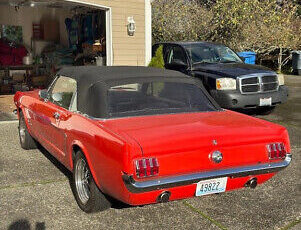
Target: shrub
157,61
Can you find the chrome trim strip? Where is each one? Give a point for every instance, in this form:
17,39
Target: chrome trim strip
260,83
174,181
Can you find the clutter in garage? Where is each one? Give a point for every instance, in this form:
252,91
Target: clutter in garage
30,55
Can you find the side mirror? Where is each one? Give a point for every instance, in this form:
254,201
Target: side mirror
43,94
65,116
177,64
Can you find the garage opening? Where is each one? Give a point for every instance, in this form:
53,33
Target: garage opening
37,38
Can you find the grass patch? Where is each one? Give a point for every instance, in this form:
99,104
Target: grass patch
204,215
292,224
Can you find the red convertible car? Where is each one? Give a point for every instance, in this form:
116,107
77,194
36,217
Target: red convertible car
144,135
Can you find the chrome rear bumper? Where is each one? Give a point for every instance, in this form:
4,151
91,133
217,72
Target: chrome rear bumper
174,181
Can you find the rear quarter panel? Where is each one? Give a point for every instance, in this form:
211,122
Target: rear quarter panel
106,152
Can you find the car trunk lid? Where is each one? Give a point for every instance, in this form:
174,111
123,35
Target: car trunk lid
183,143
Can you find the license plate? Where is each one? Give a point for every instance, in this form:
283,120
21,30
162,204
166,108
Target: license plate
211,186
265,101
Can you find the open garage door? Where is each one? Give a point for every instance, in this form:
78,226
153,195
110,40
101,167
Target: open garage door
108,24
38,37
74,24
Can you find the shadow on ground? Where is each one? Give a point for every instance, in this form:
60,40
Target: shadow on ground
116,204
25,225
7,116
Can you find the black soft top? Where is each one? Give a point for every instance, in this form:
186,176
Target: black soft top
94,81
91,74
191,43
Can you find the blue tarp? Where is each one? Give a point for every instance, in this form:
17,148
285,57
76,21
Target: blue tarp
249,56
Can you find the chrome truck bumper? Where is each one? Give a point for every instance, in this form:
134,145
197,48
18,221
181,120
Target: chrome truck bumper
174,181
233,99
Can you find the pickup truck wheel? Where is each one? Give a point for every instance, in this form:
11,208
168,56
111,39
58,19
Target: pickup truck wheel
88,196
26,140
265,110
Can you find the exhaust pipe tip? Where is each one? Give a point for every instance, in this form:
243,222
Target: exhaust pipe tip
252,183
163,197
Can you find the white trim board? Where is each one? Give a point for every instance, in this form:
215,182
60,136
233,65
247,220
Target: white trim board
87,4
148,31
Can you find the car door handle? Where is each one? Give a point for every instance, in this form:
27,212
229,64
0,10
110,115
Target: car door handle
56,115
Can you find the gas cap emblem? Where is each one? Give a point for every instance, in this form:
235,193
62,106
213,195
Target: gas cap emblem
216,156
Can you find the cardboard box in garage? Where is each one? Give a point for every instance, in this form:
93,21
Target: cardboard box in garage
39,80
5,89
18,77
88,48
2,73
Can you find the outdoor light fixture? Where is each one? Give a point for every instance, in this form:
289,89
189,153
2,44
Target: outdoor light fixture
131,26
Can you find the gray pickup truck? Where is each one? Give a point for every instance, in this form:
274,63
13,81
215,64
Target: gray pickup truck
231,82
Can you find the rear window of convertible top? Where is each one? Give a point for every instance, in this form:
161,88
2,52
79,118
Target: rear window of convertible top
158,97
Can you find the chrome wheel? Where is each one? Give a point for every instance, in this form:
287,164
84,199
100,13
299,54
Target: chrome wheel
26,140
87,195
82,180
22,131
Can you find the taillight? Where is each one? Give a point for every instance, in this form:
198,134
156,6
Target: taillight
276,151
147,167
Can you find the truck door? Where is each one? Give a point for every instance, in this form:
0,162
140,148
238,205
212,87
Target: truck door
176,59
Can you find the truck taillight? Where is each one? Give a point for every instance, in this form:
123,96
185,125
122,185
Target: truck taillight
276,151
147,167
